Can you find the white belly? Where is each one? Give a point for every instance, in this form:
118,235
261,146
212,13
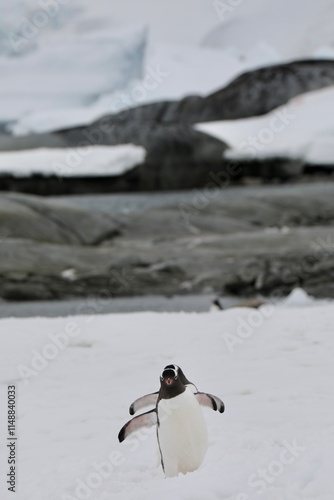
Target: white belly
182,434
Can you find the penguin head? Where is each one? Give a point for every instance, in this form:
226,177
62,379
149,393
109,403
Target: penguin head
180,375
169,375
173,382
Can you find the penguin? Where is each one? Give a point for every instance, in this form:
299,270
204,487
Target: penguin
216,305
180,426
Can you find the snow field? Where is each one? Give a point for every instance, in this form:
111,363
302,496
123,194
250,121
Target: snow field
301,129
274,441
64,162
195,47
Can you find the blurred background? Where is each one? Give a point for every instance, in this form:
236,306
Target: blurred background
165,155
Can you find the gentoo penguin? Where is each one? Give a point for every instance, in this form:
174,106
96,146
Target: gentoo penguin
216,305
181,430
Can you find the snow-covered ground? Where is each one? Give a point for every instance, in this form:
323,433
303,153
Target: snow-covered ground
72,162
273,368
302,129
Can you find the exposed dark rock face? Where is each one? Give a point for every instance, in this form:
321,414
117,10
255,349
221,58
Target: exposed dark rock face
178,157
260,91
29,218
244,242
251,94
238,264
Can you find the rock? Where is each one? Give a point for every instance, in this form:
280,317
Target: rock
252,303
245,242
179,157
241,264
259,91
39,219
251,94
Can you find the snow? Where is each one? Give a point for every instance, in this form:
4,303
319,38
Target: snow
179,22
201,71
70,72
190,68
189,19
302,129
294,28
72,162
171,73
212,23
195,47
106,57
299,298
273,368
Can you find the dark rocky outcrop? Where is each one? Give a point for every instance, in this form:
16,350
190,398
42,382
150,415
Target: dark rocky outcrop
165,127
29,218
241,241
178,157
239,264
251,94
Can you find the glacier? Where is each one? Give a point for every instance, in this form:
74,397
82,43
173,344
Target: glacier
73,71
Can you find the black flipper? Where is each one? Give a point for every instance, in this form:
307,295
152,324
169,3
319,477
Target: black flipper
147,400
211,401
147,419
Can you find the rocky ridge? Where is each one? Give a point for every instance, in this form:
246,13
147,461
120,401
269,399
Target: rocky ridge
243,241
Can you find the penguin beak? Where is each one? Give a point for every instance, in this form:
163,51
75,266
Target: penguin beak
169,381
